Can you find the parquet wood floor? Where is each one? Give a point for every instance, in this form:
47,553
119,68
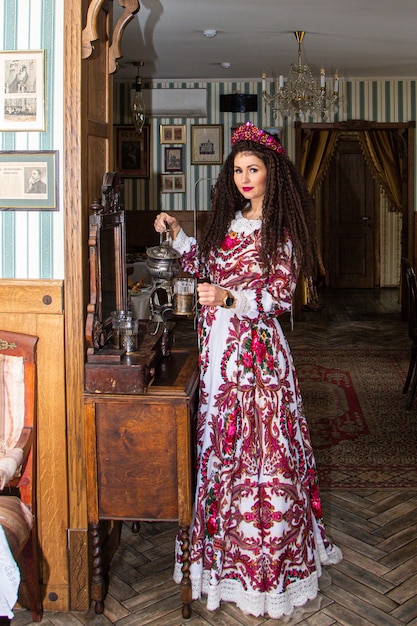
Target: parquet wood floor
375,584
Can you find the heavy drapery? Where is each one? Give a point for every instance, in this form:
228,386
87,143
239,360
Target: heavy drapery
381,149
318,148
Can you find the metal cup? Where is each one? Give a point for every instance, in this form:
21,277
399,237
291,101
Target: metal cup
116,318
184,290
129,335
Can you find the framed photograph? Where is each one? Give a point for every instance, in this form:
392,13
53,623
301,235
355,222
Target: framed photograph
173,159
172,134
132,152
22,90
207,144
173,183
29,180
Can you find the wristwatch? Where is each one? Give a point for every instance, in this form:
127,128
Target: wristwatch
229,301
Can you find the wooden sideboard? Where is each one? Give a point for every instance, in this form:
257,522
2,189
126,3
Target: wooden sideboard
140,462
139,409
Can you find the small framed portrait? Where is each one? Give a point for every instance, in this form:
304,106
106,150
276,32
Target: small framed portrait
173,159
29,180
172,133
207,144
173,183
132,152
22,82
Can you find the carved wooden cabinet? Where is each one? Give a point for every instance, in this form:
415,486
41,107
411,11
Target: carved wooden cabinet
139,411
140,462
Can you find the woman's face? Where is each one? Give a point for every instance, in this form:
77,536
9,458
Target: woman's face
250,176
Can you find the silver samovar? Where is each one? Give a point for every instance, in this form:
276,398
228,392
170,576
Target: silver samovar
163,265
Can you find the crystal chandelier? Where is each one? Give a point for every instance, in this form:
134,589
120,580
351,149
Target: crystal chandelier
299,94
138,105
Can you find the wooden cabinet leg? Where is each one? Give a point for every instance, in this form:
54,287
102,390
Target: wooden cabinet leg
186,595
98,591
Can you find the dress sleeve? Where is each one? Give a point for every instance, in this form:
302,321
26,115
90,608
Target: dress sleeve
189,250
275,295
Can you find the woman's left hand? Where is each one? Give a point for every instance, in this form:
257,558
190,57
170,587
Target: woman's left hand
210,295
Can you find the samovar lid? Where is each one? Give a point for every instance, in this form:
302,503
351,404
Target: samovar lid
164,250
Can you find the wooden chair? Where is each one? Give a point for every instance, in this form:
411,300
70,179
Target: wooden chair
18,460
410,283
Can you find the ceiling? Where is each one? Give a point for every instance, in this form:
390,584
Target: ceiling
360,38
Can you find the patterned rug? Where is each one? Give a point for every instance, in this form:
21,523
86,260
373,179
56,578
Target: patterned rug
362,433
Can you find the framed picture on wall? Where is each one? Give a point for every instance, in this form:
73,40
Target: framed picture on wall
173,159
22,89
172,133
29,180
173,183
132,152
207,144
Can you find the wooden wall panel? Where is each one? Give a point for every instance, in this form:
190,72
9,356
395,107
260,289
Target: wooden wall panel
88,139
36,307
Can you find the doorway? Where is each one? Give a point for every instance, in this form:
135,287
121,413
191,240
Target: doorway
350,218
339,175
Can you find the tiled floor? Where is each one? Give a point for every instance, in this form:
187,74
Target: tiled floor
376,583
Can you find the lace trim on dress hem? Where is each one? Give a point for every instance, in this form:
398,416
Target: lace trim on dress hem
275,605
334,555
250,602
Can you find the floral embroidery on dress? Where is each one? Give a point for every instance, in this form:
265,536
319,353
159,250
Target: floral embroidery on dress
230,241
230,434
257,537
212,509
257,350
315,493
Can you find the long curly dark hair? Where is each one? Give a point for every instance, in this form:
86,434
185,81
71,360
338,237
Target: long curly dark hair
287,208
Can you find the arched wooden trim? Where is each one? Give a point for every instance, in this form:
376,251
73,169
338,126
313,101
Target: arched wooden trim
131,8
90,34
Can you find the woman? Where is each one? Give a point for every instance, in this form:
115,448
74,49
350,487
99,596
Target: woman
258,537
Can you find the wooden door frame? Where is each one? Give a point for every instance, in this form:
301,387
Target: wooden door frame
328,235
408,235
91,50
82,184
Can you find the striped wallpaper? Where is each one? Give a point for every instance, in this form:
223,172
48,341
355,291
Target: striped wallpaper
32,242
379,101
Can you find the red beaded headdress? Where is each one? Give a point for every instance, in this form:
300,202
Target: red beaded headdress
250,132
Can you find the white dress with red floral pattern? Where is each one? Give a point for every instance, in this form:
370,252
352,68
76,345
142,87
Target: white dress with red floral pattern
258,538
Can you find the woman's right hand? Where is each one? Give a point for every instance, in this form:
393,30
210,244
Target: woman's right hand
164,221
